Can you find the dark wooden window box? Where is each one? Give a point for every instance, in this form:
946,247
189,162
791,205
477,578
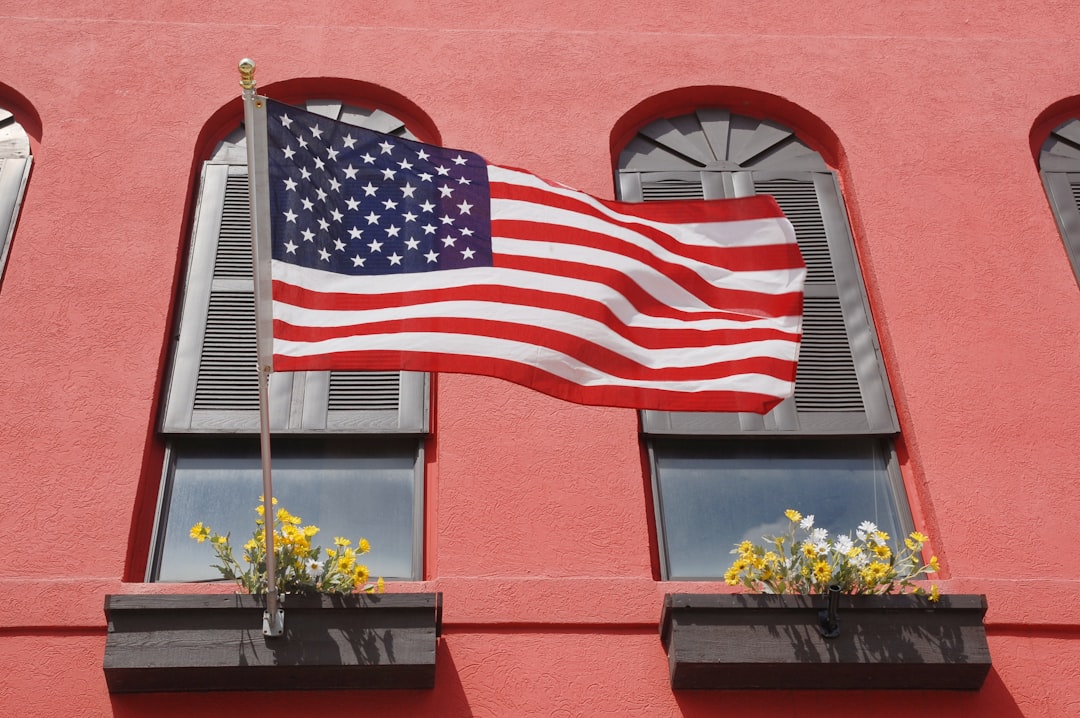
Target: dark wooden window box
215,642
761,641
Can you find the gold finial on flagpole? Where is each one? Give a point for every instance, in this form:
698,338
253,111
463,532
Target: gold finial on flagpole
247,74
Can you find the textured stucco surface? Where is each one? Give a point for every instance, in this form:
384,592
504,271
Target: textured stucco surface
537,514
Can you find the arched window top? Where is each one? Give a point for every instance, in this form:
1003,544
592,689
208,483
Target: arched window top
14,142
1061,150
716,139
233,149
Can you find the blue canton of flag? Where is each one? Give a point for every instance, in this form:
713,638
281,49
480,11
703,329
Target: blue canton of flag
352,201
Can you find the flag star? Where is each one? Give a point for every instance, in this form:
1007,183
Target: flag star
355,233
466,232
464,207
358,261
316,132
320,194
335,185
409,217
301,142
372,218
320,164
427,206
443,171
324,225
369,190
367,158
387,147
375,245
467,253
405,165
331,154
459,160
304,173
395,258
290,184
348,140
425,176
290,248
392,231
446,219
428,229
390,204
389,173
308,204
464,180
324,255
422,155
309,236
407,190
286,121
411,243
449,241
289,216
432,256
446,191
336,215
288,152
350,172
339,245
352,203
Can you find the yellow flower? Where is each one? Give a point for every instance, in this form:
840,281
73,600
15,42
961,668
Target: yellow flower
809,551
882,551
217,539
935,594
934,565
793,515
361,575
363,546
822,571
381,585
918,537
343,542
310,531
731,577
199,532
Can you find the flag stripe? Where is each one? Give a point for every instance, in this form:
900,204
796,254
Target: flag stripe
302,308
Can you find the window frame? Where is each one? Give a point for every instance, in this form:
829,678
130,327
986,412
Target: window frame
15,164
1059,169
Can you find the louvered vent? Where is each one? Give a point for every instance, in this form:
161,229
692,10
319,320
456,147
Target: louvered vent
1075,187
671,189
354,391
826,379
233,258
228,375
799,201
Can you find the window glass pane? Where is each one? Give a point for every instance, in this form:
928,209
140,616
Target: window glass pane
712,495
345,490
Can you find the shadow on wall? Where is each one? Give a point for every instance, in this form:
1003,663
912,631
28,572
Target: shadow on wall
993,700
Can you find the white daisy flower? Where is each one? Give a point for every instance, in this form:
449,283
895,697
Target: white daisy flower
807,523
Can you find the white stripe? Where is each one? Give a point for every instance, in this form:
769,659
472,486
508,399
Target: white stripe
569,368
529,317
736,233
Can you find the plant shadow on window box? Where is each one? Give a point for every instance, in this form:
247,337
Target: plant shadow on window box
215,642
745,641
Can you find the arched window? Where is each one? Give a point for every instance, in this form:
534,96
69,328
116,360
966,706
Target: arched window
347,446
1059,165
15,163
722,478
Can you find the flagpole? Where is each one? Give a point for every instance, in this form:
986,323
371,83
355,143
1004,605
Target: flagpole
259,191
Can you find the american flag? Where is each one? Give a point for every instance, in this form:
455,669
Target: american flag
393,254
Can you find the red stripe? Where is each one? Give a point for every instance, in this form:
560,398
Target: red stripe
642,302
646,337
538,379
761,206
784,255
734,304
586,352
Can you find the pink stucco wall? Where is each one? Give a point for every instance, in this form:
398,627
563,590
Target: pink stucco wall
538,526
